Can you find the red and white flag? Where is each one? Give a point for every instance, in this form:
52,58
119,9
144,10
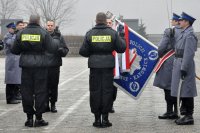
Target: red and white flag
125,55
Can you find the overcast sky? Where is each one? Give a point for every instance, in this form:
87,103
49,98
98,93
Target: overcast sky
152,12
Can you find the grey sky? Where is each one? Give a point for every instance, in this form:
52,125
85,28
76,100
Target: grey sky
152,12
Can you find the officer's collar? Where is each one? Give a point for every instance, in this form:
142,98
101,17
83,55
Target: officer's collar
100,26
189,28
32,24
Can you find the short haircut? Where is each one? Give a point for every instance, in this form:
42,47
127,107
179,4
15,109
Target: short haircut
34,19
101,18
19,22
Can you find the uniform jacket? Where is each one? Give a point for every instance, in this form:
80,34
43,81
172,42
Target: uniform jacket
33,43
55,60
164,75
98,45
185,49
12,69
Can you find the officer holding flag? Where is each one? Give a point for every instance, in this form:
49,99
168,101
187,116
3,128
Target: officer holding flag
98,45
164,74
184,68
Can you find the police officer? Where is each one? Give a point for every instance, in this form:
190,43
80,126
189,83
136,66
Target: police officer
55,61
98,45
19,26
33,43
163,76
12,69
110,24
184,68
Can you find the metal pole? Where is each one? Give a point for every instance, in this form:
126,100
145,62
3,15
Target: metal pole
198,77
168,13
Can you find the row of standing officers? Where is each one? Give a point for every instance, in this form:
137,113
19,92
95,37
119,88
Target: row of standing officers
40,58
39,64
178,71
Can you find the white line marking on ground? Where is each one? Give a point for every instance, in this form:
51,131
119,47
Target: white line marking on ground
9,110
75,76
66,113
61,84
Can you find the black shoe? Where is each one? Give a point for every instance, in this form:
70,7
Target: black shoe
186,120
112,110
29,123
165,115
173,116
97,123
39,123
53,108
18,96
183,111
47,109
13,102
105,122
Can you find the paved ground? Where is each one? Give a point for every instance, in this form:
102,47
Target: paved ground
74,112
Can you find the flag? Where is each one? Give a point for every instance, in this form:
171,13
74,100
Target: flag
136,64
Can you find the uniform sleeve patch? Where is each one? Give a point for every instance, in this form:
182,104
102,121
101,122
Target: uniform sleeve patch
101,38
30,38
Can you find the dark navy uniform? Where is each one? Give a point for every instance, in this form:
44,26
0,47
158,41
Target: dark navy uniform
55,61
33,43
98,45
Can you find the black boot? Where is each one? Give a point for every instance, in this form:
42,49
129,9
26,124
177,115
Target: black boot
183,110
97,122
105,121
29,121
39,121
13,102
186,120
174,115
168,113
53,107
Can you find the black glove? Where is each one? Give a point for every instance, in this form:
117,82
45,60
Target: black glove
62,52
183,74
121,30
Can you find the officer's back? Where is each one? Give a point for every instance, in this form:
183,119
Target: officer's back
98,45
33,42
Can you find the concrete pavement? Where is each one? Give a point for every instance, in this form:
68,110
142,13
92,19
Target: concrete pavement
138,116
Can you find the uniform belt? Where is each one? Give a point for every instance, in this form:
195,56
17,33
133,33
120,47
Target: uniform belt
34,53
178,55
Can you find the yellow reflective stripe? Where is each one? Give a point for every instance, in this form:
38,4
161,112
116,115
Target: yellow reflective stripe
101,38
31,38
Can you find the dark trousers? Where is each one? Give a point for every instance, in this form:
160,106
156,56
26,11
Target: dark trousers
114,94
11,91
171,101
188,104
101,90
53,80
34,90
